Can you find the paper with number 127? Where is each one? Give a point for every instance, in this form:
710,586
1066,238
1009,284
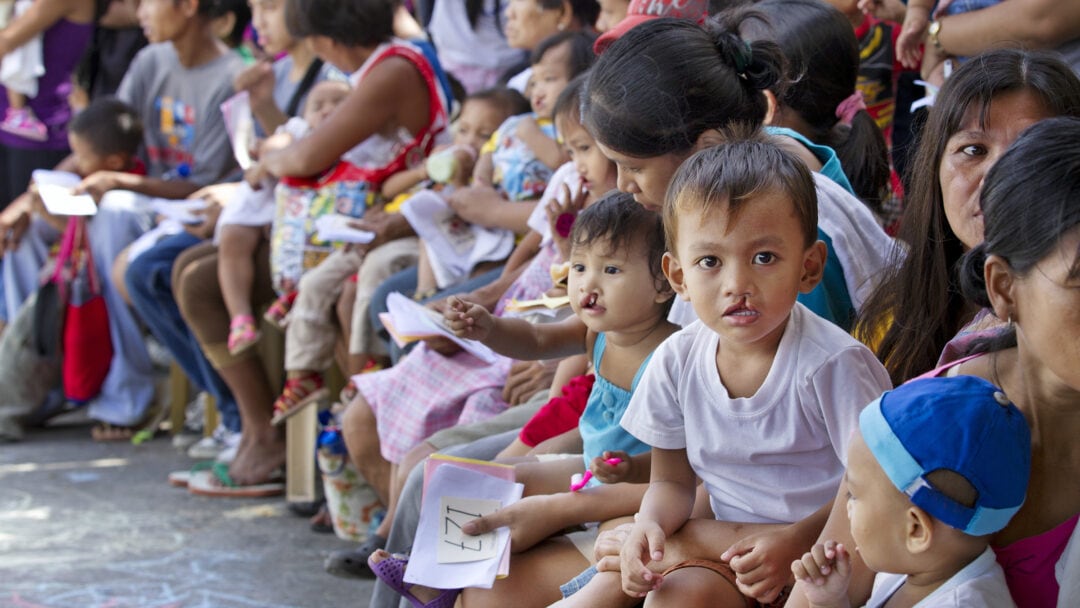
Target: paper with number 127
444,558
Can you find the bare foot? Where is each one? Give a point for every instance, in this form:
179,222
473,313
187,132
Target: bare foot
104,431
258,460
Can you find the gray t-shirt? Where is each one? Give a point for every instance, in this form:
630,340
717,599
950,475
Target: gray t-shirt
184,131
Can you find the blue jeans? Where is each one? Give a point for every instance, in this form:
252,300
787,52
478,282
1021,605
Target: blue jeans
149,283
405,282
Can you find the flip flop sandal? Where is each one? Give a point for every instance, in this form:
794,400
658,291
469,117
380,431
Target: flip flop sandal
181,479
392,572
297,395
353,563
216,483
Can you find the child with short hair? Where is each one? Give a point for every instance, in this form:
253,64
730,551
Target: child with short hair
938,466
105,136
757,399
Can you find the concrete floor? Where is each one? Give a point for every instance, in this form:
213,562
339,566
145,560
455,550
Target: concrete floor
84,524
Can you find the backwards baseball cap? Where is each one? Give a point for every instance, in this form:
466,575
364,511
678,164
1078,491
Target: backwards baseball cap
640,11
963,424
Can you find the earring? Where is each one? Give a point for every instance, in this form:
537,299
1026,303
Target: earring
561,26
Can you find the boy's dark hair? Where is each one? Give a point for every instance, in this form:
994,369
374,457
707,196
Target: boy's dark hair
354,23
823,61
504,99
568,104
580,55
110,126
662,84
624,223
740,170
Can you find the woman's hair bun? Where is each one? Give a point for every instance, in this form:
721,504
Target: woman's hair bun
760,64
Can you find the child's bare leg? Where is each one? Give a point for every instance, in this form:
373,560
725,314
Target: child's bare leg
549,477
16,100
516,448
540,570
605,589
426,285
236,268
362,439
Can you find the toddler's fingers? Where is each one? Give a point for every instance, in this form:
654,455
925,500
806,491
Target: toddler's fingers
843,561
811,568
799,570
824,563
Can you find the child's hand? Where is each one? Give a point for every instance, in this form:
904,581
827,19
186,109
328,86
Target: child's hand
258,81
825,572
762,563
603,469
531,520
255,174
468,320
562,211
474,203
645,544
916,23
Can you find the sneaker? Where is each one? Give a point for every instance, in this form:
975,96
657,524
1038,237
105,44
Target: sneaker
22,122
210,448
160,356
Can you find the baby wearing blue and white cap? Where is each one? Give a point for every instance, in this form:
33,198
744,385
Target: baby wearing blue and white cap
939,465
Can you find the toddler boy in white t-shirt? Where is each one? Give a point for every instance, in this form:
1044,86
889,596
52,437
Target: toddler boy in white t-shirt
758,398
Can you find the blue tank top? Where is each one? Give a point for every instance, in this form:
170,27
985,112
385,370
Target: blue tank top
599,423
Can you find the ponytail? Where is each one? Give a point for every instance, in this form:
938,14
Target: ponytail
864,157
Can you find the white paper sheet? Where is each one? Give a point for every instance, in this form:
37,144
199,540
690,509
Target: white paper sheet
454,481
335,227
55,188
414,319
454,246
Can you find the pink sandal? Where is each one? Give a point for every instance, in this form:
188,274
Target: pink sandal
298,393
242,334
278,313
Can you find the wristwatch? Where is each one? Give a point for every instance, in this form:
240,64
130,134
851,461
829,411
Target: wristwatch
933,32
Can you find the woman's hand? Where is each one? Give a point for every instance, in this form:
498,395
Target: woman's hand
527,378
531,520
471,204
